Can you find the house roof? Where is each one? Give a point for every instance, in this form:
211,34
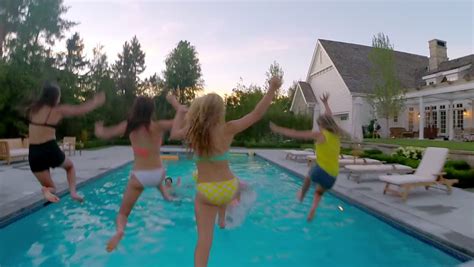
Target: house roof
353,64
308,92
454,64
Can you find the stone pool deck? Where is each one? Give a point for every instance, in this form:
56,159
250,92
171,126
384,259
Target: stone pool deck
447,219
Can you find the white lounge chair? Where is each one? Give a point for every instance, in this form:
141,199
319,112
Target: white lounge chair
427,174
298,155
312,158
350,160
356,171
358,161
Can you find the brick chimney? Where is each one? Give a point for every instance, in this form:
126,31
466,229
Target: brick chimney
438,53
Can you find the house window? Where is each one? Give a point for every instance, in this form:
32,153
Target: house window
458,116
411,109
344,117
442,118
395,118
427,116
431,83
434,116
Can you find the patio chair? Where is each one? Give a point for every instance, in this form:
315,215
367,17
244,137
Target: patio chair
13,149
356,171
427,174
346,160
298,155
69,144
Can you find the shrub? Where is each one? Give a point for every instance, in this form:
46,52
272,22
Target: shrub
410,152
270,144
372,152
346,151
102,143
457,165
465,177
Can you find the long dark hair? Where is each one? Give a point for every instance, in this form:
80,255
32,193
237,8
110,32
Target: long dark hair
49,97
141,114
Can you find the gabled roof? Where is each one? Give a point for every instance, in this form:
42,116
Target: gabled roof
308,92
353,64
454,64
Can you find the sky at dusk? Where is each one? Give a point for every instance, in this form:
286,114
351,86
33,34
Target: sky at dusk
240,39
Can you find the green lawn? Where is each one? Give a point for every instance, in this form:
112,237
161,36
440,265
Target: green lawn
467,146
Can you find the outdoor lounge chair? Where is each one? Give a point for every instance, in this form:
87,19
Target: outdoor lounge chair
427,174
347,160
69,145
298,155
312,158
356,171
13,149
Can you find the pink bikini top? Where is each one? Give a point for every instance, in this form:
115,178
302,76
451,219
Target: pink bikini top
144,148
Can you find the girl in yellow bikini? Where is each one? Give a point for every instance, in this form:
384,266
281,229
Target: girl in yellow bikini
328,146
208,134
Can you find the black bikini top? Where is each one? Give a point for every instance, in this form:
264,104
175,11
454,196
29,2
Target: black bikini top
45,124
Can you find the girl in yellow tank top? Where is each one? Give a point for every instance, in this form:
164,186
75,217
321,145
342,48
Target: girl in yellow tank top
327,147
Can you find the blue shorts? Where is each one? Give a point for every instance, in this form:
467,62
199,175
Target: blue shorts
321,177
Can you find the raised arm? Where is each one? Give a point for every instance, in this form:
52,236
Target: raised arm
178,130
110,132
88,106
239,125
164,125
325,99
305,135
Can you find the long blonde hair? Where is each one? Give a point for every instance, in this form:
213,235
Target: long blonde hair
205,113
327,122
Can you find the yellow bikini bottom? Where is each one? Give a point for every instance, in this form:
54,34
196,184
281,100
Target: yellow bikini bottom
219,193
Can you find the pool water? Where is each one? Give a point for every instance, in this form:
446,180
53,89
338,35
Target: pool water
274,233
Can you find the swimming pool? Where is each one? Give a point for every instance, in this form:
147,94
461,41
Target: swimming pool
274,233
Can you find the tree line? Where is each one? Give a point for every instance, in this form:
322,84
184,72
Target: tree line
29,29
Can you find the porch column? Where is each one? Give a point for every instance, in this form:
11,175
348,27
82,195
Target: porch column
450,120
421,127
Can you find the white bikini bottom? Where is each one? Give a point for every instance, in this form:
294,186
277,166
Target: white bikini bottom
150,178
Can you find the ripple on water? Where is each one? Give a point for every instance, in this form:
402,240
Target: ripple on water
274,233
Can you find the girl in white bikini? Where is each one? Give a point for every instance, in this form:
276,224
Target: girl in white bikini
146,137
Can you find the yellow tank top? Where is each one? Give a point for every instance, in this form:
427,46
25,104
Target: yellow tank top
327,153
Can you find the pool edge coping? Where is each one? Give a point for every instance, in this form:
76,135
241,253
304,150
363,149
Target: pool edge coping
41,203
452,249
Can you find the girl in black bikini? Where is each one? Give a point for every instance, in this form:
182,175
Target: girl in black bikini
44,152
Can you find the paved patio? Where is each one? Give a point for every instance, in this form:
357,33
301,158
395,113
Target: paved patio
19,188
448,219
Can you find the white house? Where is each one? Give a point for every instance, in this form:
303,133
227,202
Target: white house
442,89
304,99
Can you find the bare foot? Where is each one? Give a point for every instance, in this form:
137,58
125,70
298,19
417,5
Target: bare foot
49,196
299,195
113,242
311,214
221,222
76,197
